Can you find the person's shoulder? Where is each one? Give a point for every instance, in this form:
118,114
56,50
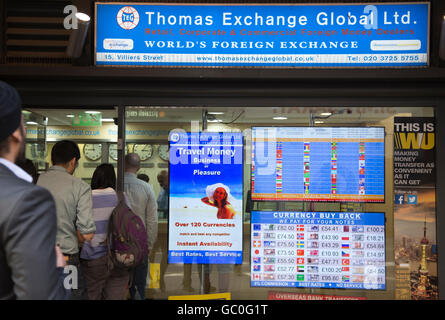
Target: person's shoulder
22,197
132,179
229,206
146,186
82,183
54,174
37,191
107,193
78,182
16,187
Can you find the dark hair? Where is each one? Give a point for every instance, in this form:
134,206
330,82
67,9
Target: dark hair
143,177
30,168
63,151
104,177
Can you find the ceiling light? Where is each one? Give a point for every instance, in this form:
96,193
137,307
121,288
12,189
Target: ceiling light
70,115
216,120
279,118
32,123
107,120
215,112
326,114
92,112
82,16
318,121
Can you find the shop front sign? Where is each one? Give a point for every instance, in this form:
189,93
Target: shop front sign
262,35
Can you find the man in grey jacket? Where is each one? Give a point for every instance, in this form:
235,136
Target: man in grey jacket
74,207
30,268
142,200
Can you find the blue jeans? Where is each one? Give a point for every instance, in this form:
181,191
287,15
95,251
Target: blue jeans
139,280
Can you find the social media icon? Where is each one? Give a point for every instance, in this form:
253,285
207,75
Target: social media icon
412,199
399,199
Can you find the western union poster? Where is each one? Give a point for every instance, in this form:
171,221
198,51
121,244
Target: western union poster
415,209
414,152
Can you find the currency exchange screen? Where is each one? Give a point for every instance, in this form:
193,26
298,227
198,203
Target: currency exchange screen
318,250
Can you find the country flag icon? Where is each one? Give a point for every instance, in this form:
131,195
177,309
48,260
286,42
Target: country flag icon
256,276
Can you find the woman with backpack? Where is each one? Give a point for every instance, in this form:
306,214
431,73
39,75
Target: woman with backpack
103,284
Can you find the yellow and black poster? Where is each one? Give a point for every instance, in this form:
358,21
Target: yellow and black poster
415,209
414,143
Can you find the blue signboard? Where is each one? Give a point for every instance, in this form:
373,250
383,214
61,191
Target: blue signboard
262,35
206,198
318,250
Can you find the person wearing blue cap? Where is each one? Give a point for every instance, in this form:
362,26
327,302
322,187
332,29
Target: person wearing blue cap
31,266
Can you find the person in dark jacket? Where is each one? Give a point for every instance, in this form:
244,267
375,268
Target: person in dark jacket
31,267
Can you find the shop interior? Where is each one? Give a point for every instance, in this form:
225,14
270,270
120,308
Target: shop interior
147,132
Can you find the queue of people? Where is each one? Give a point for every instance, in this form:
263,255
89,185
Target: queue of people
60,223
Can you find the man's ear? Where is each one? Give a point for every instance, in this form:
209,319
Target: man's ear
72,165
17,135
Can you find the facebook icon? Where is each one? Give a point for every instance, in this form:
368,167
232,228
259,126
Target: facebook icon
399,199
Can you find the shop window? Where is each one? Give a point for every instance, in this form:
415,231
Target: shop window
392,151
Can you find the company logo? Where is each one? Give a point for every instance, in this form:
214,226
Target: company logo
174,137
128,18
399,198
412,199
118,44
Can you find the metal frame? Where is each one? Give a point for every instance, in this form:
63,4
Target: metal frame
121,125
440,194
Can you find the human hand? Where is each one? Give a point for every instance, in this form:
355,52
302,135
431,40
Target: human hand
60,258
